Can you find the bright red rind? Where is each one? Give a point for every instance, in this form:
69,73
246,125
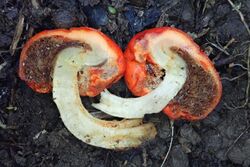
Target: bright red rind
96,84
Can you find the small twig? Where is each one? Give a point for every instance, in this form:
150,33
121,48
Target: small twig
30,32
229,43
200,34
234,78
236,140
237,65
248,80
3,65
12,96
162,19
3,126
229,60
8,51
35,4
39,134
144,156
245,43
248,76
205,6
171,142
232,107
164,14
106,162
4,51
224,47
248,85
218,42
241,16
203,32
219,47
17,35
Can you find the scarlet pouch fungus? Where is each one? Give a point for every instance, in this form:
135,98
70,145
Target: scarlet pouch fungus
94,51
202,90
38,55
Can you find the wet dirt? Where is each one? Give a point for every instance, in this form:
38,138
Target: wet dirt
32,133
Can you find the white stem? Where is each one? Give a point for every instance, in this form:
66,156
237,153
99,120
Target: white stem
106,134
175,77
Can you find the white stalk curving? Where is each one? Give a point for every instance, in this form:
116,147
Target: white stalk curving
106,134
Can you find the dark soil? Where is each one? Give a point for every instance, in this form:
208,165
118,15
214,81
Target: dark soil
31,131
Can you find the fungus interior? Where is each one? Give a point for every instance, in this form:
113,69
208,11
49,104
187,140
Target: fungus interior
38,57
41,55
197,93
155,75
202,89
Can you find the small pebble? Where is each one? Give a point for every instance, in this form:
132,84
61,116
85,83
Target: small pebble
213,141
97,16
4,95
20,160
188,132
138,20
63,19
5,40
178,158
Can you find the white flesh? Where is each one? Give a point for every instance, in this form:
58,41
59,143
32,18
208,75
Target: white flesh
106,134
175,77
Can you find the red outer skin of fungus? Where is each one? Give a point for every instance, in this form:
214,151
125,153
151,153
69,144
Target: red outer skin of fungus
96,84
135,74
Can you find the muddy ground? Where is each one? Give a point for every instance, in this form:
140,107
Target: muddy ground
31,131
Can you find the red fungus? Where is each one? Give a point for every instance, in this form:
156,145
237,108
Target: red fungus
202,89
38,56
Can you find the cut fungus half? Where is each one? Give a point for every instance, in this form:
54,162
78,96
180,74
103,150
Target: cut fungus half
146,55
38,56
68,61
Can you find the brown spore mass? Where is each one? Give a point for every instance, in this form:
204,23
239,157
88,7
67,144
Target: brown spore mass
41,56
199,90
155,75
